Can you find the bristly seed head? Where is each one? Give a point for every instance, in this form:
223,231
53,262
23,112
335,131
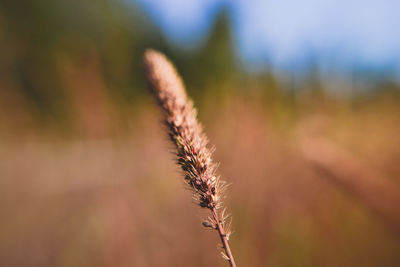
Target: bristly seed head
183,128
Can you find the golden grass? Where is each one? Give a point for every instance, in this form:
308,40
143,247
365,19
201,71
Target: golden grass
117,200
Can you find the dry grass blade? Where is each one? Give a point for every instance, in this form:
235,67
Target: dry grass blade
372,190
187,135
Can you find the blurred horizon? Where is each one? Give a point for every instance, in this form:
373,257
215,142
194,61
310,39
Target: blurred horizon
43,42
338,36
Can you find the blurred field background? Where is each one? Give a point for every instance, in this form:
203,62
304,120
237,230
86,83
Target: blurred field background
86,173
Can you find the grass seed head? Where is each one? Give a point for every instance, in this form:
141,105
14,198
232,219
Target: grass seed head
186,133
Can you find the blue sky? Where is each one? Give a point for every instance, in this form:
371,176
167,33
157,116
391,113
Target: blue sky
284,33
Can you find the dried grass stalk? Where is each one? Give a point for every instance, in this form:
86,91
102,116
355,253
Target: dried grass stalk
187,135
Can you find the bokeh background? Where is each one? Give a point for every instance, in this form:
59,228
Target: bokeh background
300,98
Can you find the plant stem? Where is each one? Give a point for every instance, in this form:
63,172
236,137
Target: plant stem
224,240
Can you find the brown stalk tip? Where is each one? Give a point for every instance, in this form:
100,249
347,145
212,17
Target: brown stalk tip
186,133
